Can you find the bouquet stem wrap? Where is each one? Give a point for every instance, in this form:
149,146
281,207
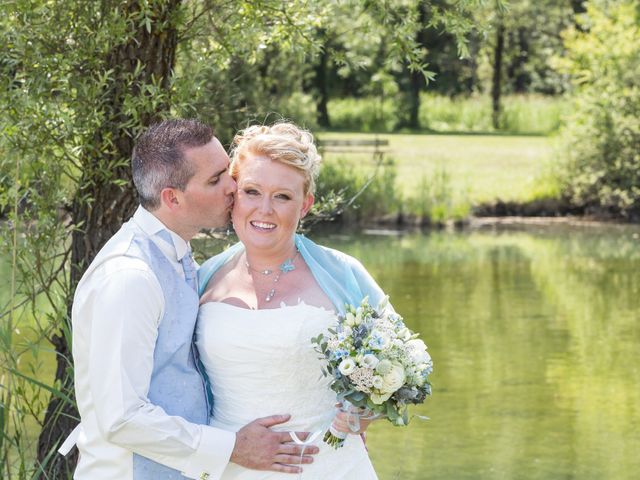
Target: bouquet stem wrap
336,438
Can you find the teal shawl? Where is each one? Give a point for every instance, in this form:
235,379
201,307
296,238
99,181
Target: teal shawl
342,278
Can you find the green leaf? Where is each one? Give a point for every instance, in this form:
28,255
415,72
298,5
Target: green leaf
54,391
357,396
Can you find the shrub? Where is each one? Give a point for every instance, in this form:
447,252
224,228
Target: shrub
298,107
436,199
342,187
602,136
370,114
361,194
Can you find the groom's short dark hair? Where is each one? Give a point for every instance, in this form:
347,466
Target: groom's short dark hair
158,159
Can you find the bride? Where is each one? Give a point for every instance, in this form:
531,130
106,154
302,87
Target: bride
263,300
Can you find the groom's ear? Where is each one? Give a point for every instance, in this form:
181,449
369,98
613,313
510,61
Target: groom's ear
169,198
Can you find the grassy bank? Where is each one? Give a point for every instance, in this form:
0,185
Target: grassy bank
473,169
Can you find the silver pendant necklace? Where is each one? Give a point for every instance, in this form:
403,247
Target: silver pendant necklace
285,267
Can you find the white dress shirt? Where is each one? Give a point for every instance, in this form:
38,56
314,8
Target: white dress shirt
116,312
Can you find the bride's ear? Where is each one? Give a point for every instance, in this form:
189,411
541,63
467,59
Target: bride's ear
307,204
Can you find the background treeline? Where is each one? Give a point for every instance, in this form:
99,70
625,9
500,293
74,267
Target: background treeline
355,81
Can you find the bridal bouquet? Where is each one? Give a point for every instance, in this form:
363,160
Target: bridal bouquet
376,362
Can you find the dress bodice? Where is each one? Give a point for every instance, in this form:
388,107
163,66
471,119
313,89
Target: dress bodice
262,363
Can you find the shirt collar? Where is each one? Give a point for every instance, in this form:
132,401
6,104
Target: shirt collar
151,225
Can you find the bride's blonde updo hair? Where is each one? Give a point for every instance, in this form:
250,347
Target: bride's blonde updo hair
282,142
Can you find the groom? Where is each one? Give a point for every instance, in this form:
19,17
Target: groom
140,392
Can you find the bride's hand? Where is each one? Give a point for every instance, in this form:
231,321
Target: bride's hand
341,422
260,448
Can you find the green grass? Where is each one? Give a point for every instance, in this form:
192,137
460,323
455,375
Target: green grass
483,167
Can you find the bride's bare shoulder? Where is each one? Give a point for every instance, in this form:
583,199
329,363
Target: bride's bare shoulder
221,284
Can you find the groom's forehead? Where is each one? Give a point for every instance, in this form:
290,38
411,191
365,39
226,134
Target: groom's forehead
211,156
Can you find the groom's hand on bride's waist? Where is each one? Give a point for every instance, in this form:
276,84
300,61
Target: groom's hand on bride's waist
260,448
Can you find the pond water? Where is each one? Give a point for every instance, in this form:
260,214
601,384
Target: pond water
535,336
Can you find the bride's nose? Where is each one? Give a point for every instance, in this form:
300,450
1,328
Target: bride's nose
266,205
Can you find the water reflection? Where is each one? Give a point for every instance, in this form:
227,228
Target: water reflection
536,341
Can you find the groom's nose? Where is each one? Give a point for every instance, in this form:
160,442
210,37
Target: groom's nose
231,186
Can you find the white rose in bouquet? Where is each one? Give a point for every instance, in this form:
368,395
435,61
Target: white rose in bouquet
370,361
388,383
393,380
417,351
384,367
347,366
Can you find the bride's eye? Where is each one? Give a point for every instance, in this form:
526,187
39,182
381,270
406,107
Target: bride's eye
283,196
251,191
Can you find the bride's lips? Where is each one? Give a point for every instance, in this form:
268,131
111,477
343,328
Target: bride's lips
263,226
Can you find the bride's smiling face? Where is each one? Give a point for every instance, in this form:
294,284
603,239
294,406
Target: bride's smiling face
269,204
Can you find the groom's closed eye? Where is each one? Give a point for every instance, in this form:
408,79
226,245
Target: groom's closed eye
215,178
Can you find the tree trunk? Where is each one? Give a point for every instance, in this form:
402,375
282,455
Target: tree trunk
474,54
497,75
518,77
416,79
322,84
578,7
100,204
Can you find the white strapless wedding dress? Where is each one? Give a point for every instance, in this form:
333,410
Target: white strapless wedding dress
262,363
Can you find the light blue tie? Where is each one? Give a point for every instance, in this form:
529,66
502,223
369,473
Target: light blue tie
188,265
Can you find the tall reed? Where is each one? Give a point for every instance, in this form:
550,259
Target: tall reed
436,200
521,114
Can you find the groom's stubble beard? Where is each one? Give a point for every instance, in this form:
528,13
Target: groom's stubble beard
221,222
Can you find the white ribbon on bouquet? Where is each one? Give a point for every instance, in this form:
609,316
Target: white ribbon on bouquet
353,421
